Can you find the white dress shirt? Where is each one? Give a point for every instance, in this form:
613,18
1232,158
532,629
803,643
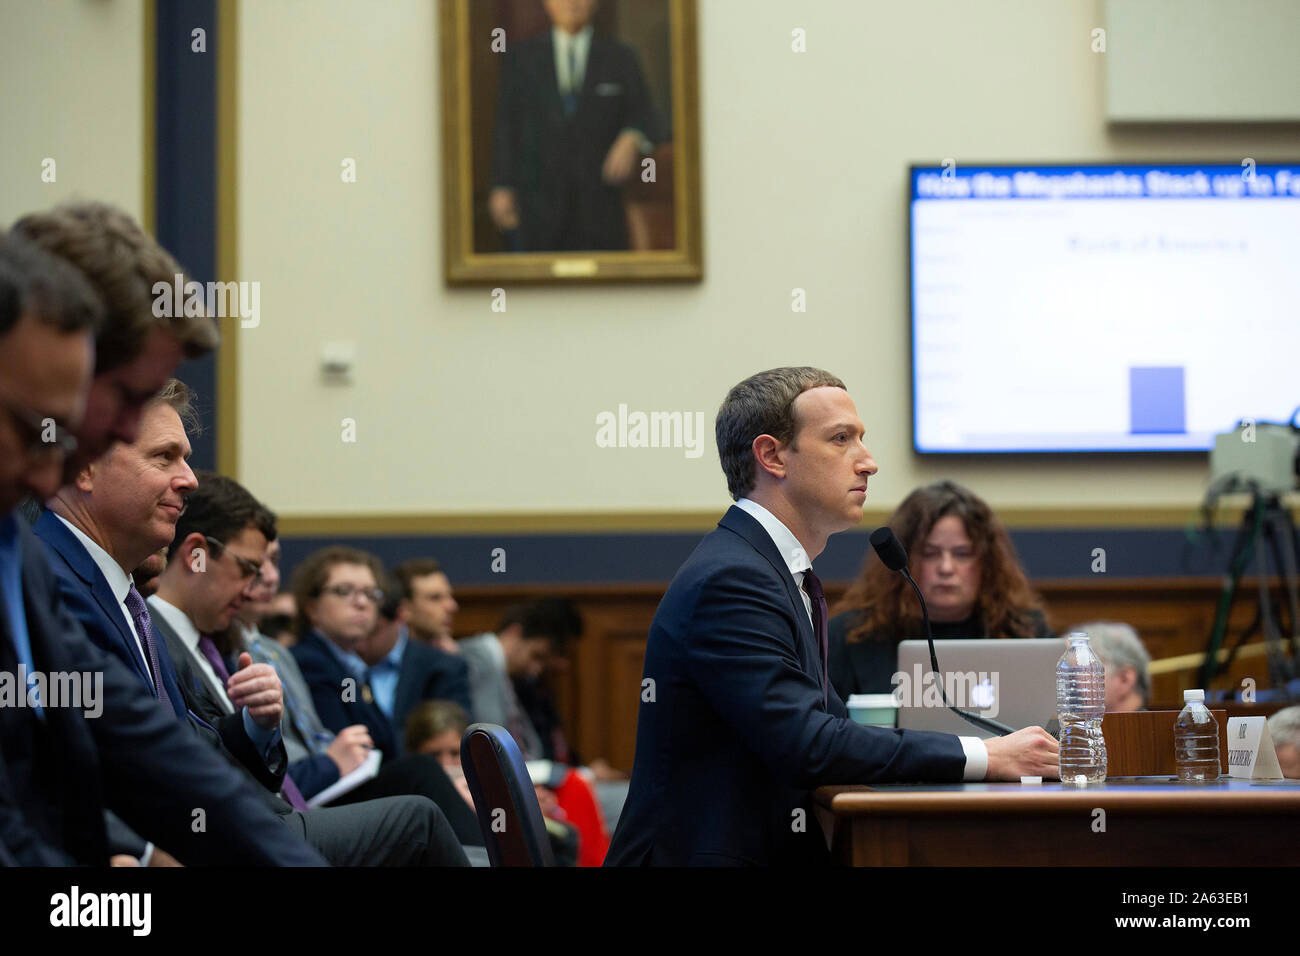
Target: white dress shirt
797,561
189,634
119,582
581,46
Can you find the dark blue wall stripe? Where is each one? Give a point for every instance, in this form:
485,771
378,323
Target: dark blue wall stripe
186,186
654,558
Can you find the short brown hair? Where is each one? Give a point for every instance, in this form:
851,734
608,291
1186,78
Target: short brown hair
762,404
408,571
309,577
181,398
123,263
431,718
35,283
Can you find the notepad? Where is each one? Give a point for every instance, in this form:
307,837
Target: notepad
367,771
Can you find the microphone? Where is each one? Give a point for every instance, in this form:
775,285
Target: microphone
894,556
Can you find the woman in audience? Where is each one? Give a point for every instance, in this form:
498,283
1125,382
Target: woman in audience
963,561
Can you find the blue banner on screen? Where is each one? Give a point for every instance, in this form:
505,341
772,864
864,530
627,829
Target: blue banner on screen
1102,308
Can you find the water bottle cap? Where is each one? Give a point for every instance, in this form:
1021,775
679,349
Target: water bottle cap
1075,636
1193,695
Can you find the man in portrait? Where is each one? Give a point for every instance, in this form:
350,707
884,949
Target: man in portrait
574,118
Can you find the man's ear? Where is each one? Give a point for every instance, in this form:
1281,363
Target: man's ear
770,455
194,551
85,480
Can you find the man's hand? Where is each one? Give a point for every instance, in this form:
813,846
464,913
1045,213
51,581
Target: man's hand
350,748
257,687
123,859
1029,752
620,161
162,858
502,208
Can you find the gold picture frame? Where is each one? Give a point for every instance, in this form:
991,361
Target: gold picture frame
661,216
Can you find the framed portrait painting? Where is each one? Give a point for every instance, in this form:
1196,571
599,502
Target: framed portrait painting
570,141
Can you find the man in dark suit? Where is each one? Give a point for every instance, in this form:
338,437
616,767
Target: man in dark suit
337,594
574,117
59,770
738,722
404,672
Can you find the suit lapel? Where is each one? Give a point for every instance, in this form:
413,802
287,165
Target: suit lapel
55,534
745,525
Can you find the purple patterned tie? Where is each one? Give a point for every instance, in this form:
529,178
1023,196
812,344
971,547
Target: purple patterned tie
144,628
813,585
289,790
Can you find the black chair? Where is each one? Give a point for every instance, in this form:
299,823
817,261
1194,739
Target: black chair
508,814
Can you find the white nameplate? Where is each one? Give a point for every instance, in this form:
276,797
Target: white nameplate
1251,754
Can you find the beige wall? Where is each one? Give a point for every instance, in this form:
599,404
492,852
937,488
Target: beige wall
72,76
460,410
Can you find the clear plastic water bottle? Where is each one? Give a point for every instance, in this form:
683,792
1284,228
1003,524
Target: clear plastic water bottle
1196,740
1080,705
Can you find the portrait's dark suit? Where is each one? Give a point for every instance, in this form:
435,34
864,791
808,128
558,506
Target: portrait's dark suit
733,734
136,758
428,674
553,161
325,675
86,593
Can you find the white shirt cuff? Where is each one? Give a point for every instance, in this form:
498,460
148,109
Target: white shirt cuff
977,758
147,855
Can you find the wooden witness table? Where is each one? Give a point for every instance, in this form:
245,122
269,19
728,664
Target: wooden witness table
1148,821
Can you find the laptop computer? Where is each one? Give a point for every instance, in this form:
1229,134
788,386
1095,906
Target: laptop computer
1009,680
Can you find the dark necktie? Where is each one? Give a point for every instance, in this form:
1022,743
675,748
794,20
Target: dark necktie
571,97
288,789
813,585
144,627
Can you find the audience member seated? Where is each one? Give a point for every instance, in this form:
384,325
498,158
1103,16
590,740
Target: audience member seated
1128,681
337,596
428,605
62,771
403,672
436,727
277,621
964,563
318,758
111,519
1284,728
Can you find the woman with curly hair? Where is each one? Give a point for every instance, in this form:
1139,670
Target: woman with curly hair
964,563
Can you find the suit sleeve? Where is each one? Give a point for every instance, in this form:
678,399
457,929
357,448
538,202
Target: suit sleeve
450,681
313,774
20,845
505,139
230,727
157,777
641,112
740,653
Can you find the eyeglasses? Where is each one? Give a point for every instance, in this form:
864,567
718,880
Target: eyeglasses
249,570
348,591
42,434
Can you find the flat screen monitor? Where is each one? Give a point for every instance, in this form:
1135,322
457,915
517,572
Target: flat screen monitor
1090,308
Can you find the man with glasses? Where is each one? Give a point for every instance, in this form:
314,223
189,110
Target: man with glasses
115,516
338,596
60,770
112,517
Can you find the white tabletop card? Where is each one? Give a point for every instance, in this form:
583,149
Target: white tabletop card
1251,755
